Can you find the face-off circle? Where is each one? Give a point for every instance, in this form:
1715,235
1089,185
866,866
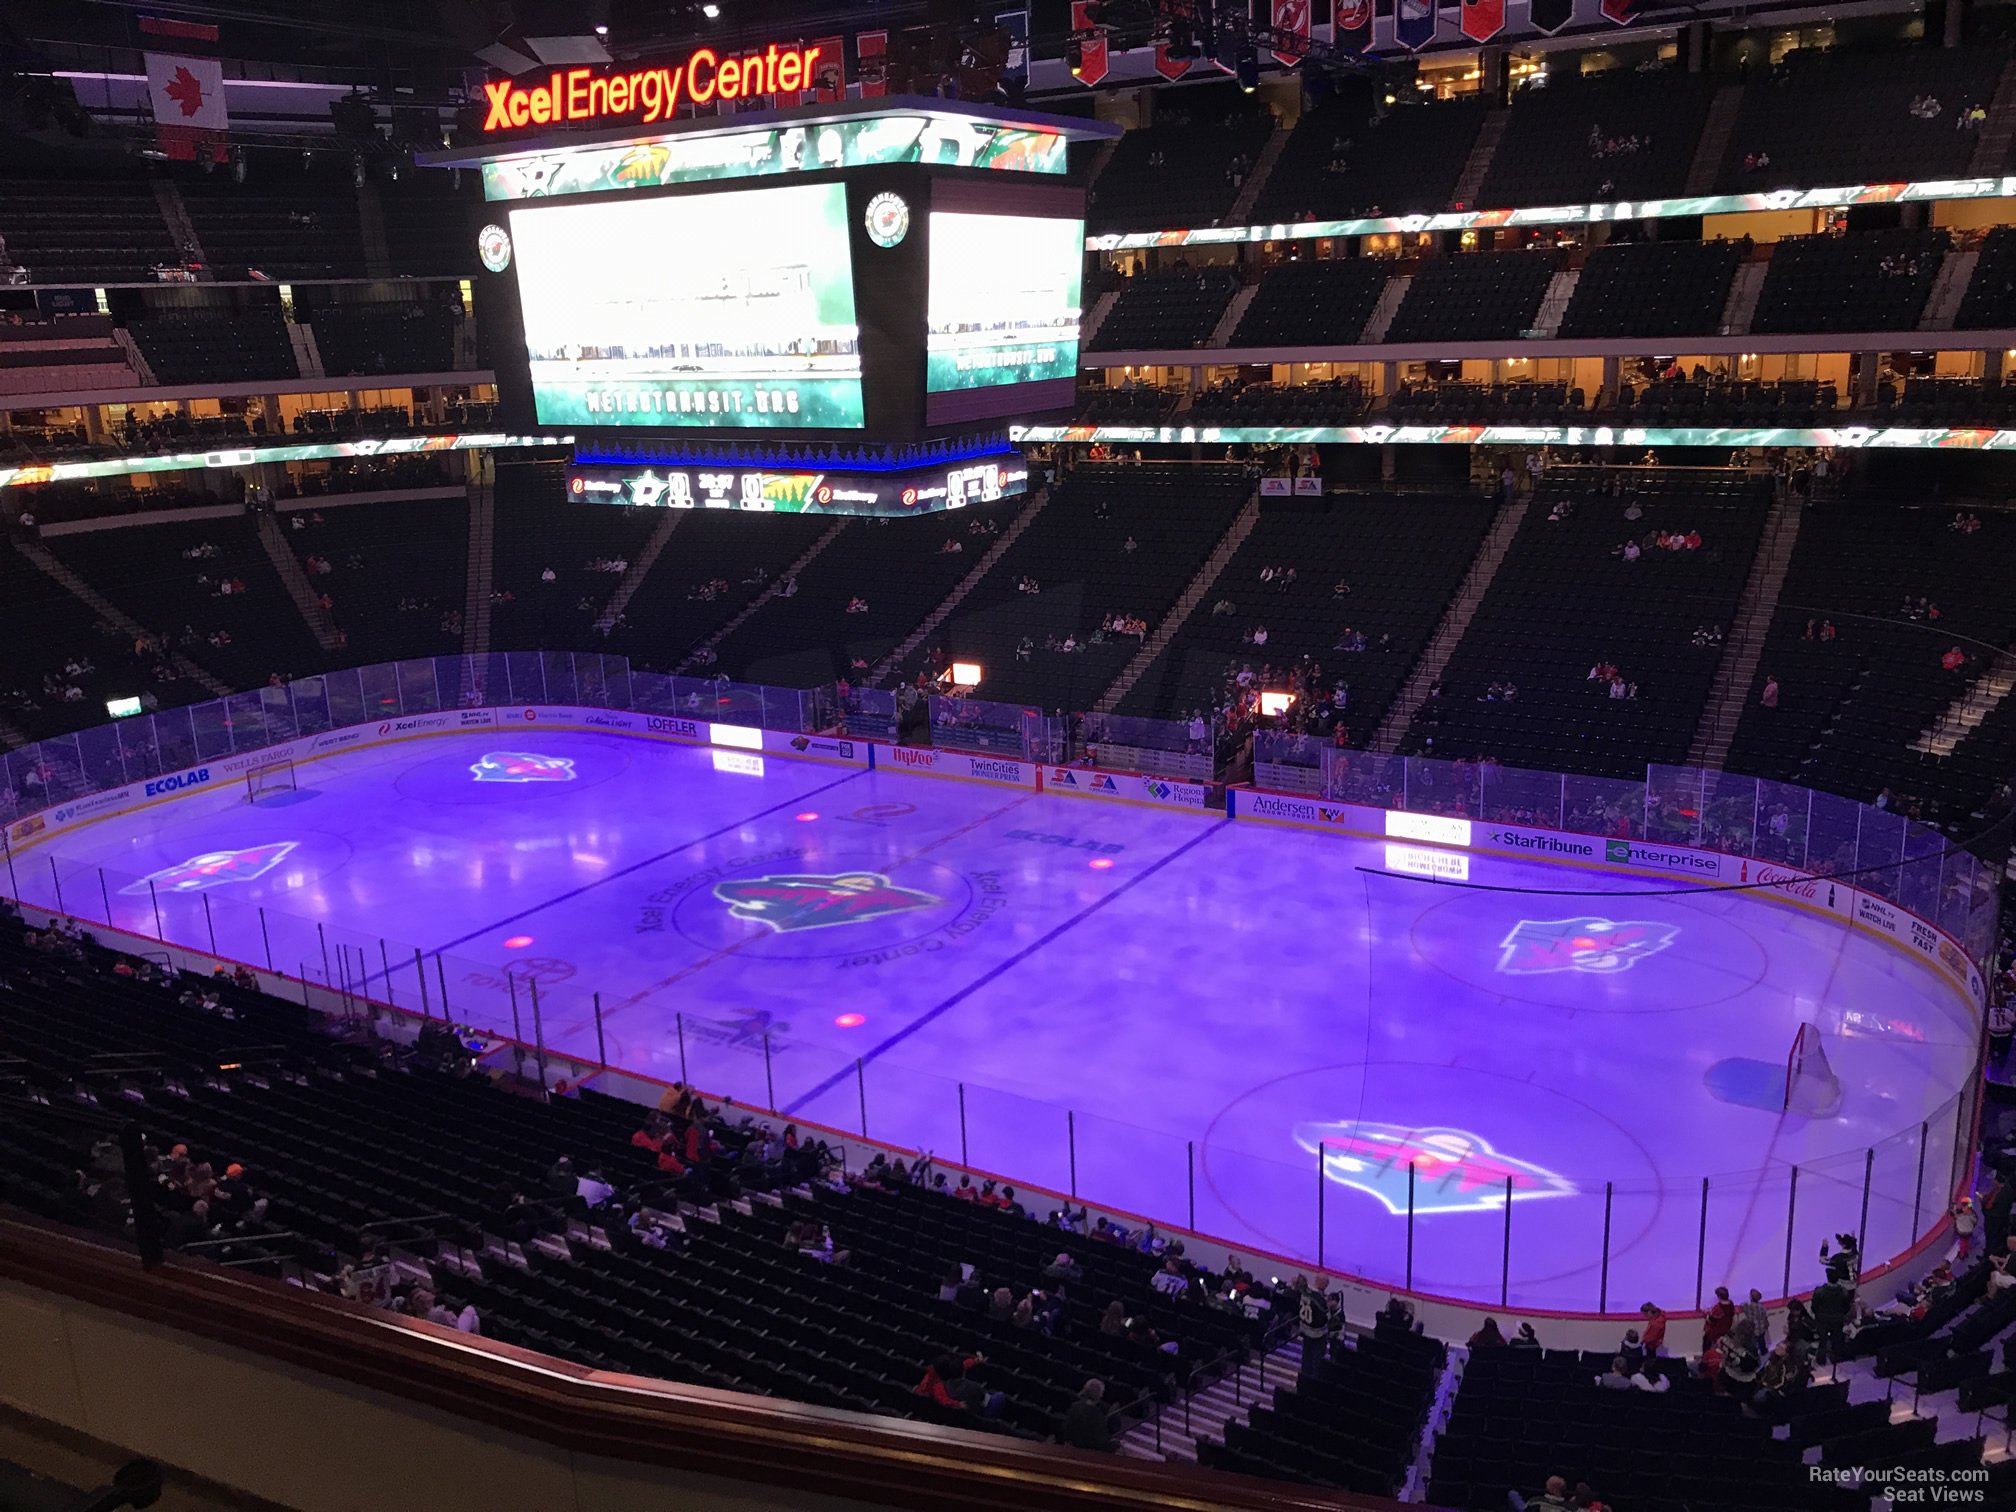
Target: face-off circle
1467,1132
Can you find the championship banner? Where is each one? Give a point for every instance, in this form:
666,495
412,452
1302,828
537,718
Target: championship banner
1291,31
1620,12
187,95
1016,24
829,81
1482,19
1090,40
1414,23
871,52
1170,66
1550,16
1353,31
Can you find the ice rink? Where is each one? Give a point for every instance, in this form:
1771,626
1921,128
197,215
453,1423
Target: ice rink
1169,1013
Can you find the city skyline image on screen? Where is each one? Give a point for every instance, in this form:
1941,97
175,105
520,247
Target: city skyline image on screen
1005,299
720,311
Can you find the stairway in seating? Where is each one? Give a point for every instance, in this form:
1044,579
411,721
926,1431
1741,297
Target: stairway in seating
181,229
1743,641
307,355
1554,303
1471,179
1221,334
1390,299
1172,1433
1964,715
640,566
1179,614
1998,132
1096,317
1949,288
371,227
113,615
294,578
482,568
770,590
1462,609
964,586
1714,139
1741,307
1263,169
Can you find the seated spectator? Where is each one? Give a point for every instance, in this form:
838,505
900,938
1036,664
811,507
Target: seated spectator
1555,1495
1624,1376
1487,1336
1085,1424
1525,1338
938,1377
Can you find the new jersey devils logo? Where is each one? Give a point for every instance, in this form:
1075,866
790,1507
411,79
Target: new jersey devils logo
522,766
1586,944
808,902
1454,1171
214,869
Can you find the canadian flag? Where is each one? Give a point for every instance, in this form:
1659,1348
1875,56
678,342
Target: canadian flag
188,99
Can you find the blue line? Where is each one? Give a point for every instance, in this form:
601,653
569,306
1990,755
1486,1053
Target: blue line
1008,965
636,866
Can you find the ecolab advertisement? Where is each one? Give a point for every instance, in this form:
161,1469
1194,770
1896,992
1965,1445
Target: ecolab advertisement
725,310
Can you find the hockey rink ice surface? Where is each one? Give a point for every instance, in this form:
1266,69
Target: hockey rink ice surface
1184,1007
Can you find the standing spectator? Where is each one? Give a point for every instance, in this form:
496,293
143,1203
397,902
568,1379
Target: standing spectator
1965,1221
1759,1318
1769,697
1654,1333
1832,1304
1084,1425
1718,1321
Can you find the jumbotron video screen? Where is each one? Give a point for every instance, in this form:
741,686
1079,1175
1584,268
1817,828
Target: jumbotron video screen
723,310
880,303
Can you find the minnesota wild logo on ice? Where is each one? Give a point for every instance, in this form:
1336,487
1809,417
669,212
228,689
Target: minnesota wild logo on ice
1454,1171
1584,944
522,766
791,903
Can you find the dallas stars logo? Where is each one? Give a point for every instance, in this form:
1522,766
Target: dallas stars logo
1589,944
792,903
1454,1171
522,766
214,869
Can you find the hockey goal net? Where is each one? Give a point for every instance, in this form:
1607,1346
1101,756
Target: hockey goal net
266,780
1812,1090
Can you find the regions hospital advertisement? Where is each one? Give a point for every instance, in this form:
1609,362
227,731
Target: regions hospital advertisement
721,310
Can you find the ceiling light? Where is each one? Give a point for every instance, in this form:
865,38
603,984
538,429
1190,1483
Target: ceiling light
711,11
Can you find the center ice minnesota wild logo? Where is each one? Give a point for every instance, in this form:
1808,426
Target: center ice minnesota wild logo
813,902
1454,1171
1585,944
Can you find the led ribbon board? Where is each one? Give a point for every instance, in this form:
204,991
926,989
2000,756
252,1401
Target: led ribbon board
938,139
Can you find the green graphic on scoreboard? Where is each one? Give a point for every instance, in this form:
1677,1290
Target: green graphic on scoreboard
909,137
731,311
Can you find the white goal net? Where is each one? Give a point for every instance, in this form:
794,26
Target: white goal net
273,777
1812,1090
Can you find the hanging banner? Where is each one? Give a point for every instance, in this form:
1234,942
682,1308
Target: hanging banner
1015,73
1414,23
871,53
1550,16
1291,32
1353,32
1620,12
829,78
1170,67
1090,40
1482,19
188,99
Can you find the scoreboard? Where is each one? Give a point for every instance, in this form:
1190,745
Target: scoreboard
859,283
